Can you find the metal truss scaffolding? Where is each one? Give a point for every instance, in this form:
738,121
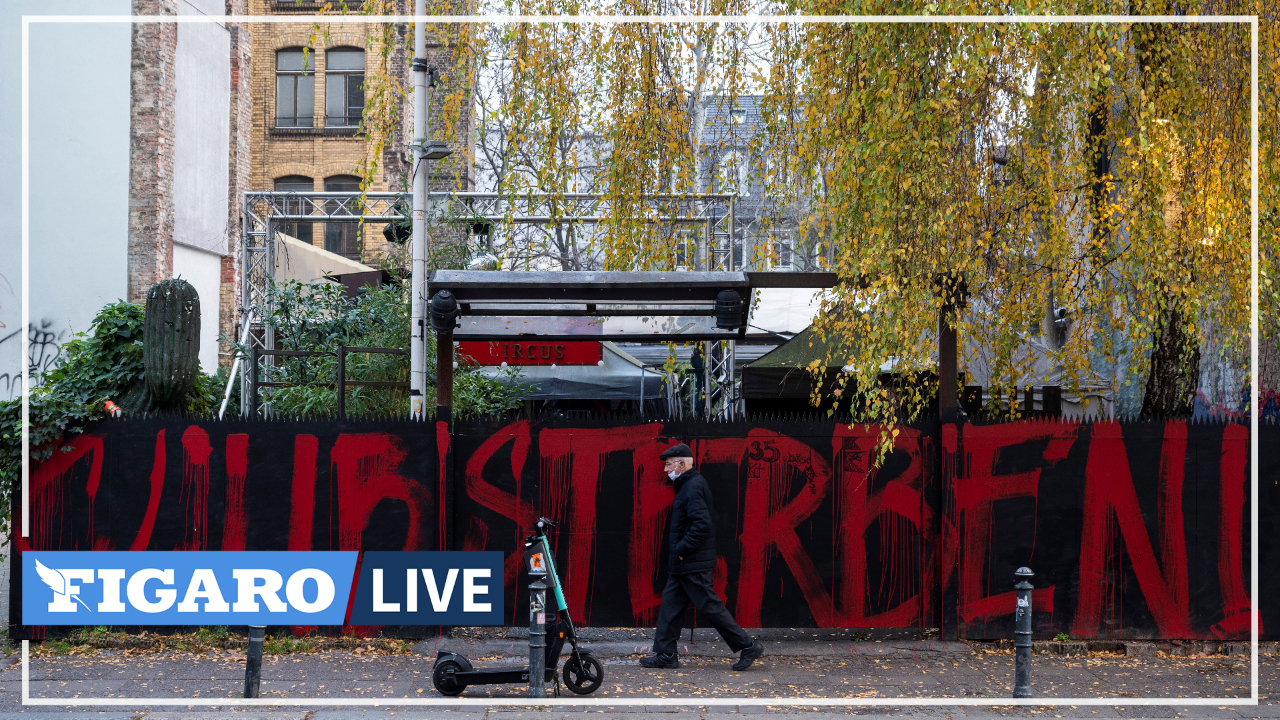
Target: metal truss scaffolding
712,216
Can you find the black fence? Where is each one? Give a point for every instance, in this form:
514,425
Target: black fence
1134,529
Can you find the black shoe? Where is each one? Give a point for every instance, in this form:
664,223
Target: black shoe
749,656
666,662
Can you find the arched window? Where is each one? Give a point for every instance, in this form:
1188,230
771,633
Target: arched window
342,238
295,89
295,183
343,87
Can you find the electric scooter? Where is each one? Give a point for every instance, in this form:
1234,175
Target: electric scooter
582,673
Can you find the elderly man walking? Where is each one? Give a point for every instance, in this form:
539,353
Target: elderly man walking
693,557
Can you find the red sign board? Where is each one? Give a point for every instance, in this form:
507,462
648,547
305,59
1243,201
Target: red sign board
525,352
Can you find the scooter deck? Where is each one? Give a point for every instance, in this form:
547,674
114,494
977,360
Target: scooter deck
498,676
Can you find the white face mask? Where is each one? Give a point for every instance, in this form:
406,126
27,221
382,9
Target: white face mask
673,474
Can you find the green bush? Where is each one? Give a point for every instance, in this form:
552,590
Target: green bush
319,317
103,363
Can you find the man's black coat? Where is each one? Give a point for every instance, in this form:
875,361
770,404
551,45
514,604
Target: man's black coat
693,537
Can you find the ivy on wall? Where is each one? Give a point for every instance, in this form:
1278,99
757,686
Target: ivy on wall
106,363
103,363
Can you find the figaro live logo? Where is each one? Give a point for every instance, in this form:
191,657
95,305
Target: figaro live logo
258,588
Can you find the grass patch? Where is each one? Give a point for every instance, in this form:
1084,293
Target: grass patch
203,640
88,639
85,640
374,646
96,636
287,645
56,646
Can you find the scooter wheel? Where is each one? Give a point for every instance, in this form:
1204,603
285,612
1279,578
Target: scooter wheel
584,677
444,680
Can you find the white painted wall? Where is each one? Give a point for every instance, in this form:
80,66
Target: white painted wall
202,133
79,181
202,126
203,270
79,158
79,176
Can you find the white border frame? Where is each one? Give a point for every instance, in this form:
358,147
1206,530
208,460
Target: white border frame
1255,406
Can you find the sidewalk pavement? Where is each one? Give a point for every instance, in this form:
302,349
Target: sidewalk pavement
819,666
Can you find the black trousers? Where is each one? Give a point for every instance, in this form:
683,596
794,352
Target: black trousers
695,588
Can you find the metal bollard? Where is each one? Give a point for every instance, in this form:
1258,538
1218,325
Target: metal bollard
253,662
537,639
1022,636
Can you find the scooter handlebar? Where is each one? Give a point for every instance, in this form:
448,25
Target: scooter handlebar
542,525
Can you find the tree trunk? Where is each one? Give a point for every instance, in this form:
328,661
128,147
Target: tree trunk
1174,373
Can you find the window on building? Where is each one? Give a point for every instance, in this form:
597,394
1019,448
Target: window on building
343,87
688,247
733,175
295,183
295,89
780,250
342,238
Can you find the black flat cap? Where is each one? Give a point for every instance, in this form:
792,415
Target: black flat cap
677,451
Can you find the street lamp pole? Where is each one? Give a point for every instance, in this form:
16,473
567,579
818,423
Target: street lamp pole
423,150
418,319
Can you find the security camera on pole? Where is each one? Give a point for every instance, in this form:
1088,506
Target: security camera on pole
424,78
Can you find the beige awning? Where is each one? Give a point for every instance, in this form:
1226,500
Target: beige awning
306,263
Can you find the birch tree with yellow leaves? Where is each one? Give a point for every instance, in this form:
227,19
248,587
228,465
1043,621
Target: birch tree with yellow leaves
1083,186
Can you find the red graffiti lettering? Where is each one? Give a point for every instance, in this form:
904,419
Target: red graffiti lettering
195,487
773,462
1236,604
864,546
573,464
235,526
651,494
49,489
1109,487
508,505
302,505
143,538
366,470
442,482
769,520
977,487
898,501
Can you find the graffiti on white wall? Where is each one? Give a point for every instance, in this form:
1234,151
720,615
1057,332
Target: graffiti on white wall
44,351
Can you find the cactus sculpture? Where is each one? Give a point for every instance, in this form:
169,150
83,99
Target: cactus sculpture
170,347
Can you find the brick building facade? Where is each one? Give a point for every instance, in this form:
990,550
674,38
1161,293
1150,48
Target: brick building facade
241,164
189,111
307,103
152,101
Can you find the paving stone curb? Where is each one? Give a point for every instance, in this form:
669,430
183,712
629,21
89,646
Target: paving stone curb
713,647
1154,648
704,648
